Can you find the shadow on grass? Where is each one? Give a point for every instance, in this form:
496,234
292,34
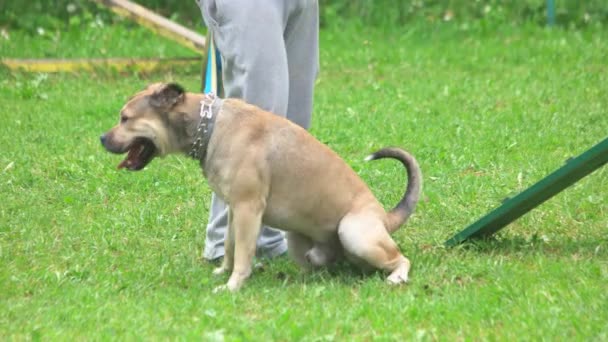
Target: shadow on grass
283,272
536,244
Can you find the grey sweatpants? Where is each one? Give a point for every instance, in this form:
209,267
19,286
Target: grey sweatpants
269,51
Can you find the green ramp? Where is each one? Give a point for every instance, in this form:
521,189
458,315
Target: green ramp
514,207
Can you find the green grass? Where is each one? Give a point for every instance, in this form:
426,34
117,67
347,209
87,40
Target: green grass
88,252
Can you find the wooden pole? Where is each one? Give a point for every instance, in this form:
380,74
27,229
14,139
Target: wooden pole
157,23
91,64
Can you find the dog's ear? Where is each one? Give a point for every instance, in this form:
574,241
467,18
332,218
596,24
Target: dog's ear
167,96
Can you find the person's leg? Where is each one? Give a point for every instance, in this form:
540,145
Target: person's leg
216,229
249,37
302,45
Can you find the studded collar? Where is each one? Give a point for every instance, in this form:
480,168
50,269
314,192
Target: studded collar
205,127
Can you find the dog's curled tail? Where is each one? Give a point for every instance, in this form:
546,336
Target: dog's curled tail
399,215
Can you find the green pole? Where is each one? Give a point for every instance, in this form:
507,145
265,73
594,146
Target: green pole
515,207
551,12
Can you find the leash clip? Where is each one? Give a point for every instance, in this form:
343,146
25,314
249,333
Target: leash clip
206,105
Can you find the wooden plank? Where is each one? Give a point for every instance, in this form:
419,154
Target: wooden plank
515,207
157,23
118,64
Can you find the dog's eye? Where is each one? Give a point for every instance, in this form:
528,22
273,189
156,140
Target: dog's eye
123,119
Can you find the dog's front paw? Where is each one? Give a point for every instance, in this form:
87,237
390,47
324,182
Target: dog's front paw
220,270
220,288
230,286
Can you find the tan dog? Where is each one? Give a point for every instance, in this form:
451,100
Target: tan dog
269,171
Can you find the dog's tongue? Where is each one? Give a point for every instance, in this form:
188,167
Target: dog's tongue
131,157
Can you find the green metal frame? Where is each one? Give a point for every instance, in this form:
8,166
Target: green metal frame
515,207
551,12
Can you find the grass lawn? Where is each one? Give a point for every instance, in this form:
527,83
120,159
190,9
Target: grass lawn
88,252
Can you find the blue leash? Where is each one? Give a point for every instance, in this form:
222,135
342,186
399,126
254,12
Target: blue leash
214,69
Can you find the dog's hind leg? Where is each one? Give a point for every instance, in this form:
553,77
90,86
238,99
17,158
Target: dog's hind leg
310,254
365,238
297,247
323,254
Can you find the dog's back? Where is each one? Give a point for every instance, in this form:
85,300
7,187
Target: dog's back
310,188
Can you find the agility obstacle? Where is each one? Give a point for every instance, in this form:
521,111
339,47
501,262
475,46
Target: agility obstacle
144,17
515,207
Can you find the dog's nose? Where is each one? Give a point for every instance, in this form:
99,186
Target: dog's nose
102,138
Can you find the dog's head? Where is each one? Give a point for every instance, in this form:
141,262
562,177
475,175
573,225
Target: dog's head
145,129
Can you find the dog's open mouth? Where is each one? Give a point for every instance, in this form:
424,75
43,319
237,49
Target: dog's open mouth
140,153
